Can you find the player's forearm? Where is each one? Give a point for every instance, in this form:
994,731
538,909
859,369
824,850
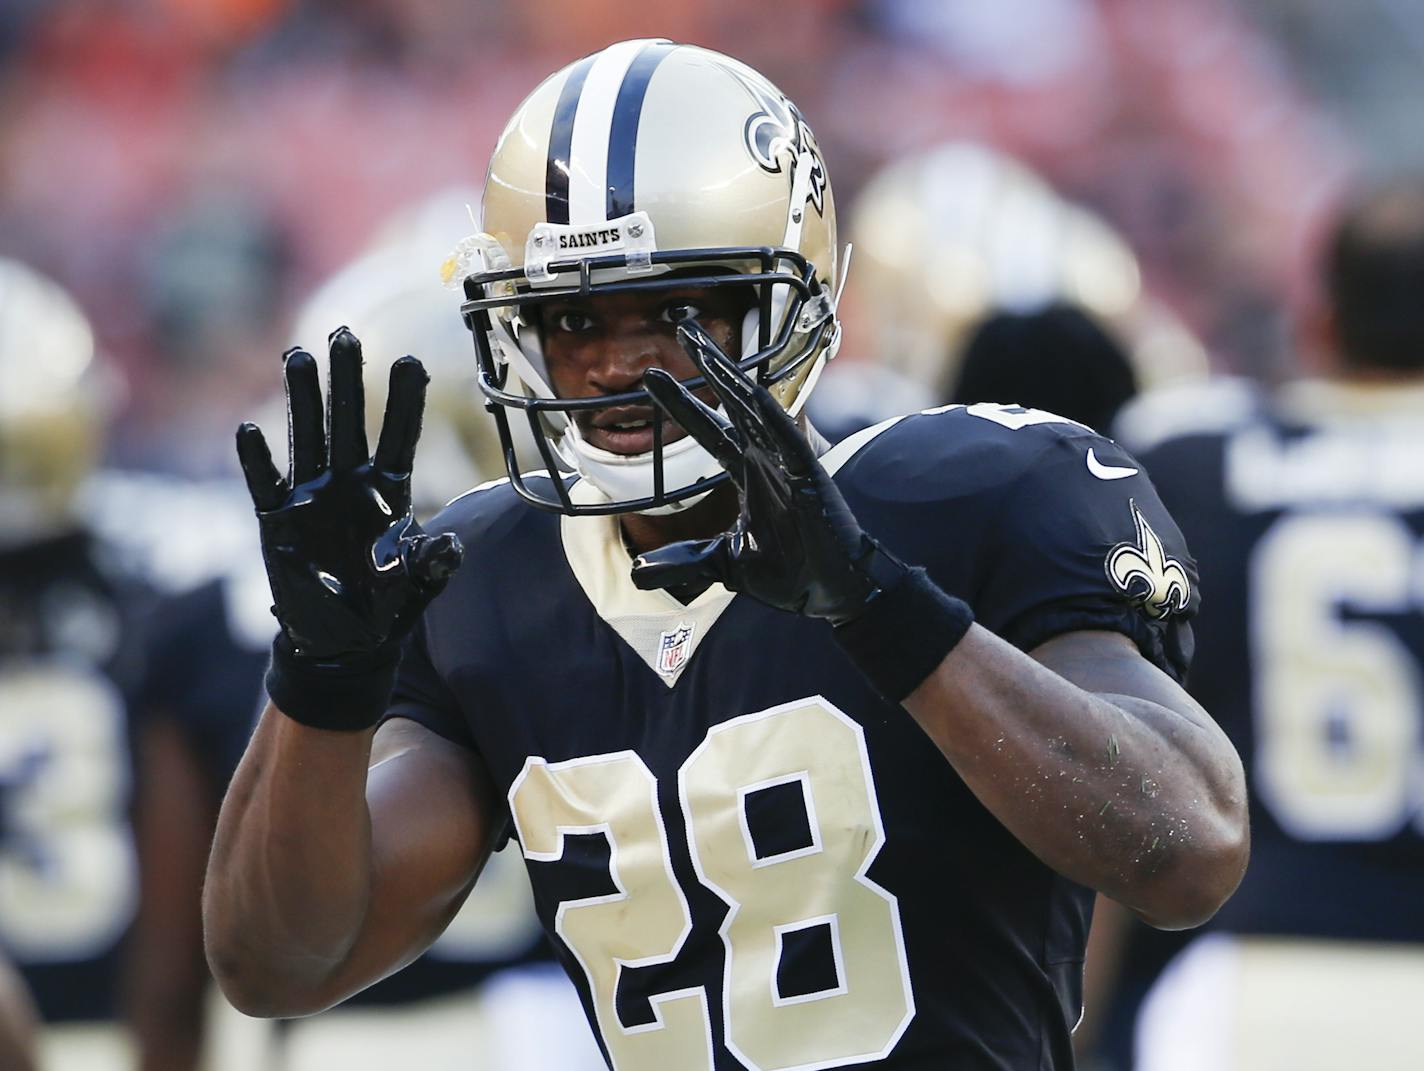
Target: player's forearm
175,811
171,1039
1140,801
289,879
17,1021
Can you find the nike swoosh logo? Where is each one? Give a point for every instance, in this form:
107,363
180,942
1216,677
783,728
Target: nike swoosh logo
1107,472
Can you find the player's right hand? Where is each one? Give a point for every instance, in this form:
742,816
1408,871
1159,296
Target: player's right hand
350,568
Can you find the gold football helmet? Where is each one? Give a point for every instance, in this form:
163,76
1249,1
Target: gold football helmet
392,299
945,237
52,408
647,166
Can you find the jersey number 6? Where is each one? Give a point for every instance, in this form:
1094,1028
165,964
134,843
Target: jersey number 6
647,920
1338,705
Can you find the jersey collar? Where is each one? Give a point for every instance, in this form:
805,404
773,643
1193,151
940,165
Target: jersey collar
663,632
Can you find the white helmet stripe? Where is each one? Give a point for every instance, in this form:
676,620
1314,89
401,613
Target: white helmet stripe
588,156
623,129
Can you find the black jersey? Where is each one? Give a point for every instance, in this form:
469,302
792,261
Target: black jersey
1308,521
68,880
205,667
746,856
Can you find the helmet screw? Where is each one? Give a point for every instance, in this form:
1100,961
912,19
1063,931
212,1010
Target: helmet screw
635,230
796,216
541,239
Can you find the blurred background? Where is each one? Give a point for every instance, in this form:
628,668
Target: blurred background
202,176
191,169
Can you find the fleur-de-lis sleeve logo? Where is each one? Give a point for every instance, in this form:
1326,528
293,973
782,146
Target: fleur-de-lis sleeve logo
1143,572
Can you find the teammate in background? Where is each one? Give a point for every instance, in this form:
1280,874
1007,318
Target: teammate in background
198,706
69,659
1308,516
962,239
392,298
1063,360
1056,358
18,1021
785,801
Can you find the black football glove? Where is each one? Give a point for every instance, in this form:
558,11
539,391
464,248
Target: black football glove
350,568
795,545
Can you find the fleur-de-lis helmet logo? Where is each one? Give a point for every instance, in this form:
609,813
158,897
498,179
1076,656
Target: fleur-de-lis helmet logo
1143,572
777,126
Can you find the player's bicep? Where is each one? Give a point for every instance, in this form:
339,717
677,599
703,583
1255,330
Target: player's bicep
433,809
1110,665
433,816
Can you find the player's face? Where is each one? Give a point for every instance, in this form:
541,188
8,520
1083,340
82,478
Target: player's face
602,345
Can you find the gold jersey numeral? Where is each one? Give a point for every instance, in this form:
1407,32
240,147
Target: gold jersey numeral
1338,697
823,883
68,876
644,923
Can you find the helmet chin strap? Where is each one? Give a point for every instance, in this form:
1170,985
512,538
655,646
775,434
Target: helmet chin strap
630,476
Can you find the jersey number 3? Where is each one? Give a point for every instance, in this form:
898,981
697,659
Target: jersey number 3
647,920
68,880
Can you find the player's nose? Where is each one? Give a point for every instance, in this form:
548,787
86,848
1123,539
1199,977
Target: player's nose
623,358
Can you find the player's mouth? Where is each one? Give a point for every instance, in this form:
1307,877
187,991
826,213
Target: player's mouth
626,429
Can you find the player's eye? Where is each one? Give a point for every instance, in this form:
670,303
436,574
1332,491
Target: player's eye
680,311
571,321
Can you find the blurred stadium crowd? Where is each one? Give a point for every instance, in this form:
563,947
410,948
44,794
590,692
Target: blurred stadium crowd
213,181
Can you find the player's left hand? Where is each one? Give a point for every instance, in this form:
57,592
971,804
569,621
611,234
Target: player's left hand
795,544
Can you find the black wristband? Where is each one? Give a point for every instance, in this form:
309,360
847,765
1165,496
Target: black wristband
324,695
904,634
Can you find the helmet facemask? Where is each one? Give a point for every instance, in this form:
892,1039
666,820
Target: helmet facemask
790,330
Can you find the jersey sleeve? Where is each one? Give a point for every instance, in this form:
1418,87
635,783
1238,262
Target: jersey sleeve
202,676
167,660
422,696
1082,541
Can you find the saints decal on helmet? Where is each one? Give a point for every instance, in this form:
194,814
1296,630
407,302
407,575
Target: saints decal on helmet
647,166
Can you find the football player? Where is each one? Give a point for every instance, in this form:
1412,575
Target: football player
814,760
1306,508
1035,301
68,663
1057,358
1004,243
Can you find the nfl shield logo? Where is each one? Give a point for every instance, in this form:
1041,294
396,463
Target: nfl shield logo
673,649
